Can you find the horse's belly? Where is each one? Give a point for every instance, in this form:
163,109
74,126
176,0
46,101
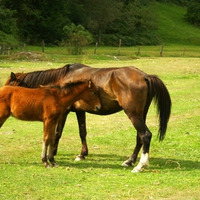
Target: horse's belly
107,108
26,114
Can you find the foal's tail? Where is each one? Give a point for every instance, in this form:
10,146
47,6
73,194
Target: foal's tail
159,92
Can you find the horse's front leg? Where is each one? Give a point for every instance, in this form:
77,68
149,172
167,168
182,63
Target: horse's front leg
59,130
81,117
44,152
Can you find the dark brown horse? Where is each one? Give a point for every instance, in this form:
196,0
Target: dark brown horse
46,104
125,88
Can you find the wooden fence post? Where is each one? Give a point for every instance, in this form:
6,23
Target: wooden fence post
8,50
23,47
95,50
161,51
120,42
43,46
138,52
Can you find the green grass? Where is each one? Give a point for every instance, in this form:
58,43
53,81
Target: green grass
174,171
173,28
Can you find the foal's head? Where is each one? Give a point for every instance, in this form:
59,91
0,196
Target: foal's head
88,94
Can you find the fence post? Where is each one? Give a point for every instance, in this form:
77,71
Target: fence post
138,52
23,47
8,50
43,46
120,42
161,51
95,50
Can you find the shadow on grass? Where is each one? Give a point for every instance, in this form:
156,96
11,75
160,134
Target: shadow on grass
112,161
115,161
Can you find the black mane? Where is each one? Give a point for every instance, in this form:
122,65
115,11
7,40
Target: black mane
37,78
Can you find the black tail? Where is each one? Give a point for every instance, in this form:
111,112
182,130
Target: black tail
163,101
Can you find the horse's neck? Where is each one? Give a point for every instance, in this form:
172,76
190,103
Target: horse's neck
73,94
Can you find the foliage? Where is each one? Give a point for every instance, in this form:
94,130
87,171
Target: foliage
77,38
134,21
193,13
100,14
141,22
8,27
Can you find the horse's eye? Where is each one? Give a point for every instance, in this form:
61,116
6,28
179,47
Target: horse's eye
95,93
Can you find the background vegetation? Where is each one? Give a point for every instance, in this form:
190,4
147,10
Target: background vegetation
134,22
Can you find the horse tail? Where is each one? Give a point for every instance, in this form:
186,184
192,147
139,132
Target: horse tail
160,94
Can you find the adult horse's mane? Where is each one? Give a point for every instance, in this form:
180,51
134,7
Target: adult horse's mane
37,78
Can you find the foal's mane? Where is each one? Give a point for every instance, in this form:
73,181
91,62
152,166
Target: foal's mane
67,87
37,78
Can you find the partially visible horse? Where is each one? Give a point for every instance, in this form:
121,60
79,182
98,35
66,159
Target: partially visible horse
46,104
125,88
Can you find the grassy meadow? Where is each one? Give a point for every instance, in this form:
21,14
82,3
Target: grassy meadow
174,171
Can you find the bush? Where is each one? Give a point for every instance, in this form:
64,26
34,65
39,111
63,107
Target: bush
193,13
76,38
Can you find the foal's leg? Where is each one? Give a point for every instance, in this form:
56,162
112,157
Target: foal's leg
4,114
83,133
59,131
48,140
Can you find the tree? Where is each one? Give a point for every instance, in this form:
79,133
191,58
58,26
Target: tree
76,38
136,25
100,14
193,12
40,20
8,27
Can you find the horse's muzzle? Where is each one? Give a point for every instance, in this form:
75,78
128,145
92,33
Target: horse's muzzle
97,108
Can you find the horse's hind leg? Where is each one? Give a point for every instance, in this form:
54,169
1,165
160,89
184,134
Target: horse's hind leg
133,157
144,159
83,133
143,139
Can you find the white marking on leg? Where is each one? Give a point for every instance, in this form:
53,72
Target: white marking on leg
44,150
144,160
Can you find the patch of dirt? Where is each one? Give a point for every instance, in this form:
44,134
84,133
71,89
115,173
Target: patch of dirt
33,56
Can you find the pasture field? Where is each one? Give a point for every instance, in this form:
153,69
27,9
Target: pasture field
174,171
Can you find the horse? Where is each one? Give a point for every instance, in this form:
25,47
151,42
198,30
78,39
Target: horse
46,104
120,88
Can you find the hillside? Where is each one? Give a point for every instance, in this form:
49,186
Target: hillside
172,28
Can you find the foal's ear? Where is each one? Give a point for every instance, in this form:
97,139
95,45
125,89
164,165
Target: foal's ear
13,76
89,84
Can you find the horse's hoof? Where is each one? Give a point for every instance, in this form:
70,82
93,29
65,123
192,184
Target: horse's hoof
79,158
55,165
136,170
46,165
126,164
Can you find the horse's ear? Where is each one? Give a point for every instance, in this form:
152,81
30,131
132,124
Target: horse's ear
89,84
13,76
